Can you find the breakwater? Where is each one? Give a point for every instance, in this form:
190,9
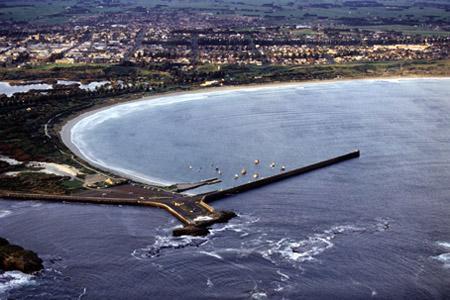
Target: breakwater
285,175
193,211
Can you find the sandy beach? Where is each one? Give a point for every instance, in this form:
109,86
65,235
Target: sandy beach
66,127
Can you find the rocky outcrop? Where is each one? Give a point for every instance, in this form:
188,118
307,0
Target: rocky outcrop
191,230
15,258
225,215
201,228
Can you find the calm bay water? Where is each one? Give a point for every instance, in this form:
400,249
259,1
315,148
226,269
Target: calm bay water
7,89
377,226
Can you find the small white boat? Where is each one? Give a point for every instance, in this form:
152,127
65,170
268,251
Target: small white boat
255,176
256,161
243,171
283,168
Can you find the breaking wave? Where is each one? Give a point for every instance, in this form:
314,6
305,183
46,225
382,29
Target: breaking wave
288,249
13,280
443,244
165,242
4,213
50,283
292,250
444,258
241,226
258,295
306,250
283,254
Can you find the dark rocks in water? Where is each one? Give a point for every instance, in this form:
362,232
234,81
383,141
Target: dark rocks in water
225,216
191,230
218,217
15,258
3,242
201,228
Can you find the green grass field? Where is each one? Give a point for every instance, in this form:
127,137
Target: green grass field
295,12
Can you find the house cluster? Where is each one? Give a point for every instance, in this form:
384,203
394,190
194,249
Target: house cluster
160,40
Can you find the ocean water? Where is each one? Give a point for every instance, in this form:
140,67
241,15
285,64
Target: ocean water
373,227
7,89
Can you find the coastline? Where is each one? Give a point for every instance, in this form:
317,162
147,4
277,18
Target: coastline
65,127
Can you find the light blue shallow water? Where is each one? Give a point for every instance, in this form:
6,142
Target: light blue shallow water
377,226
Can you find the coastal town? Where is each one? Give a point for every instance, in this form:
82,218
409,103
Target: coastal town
111,107
147,44
50,71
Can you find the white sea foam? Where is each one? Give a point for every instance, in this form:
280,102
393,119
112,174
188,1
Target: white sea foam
4,213
284,277
299,251
279,288
444,258
308,249
167,242
76,137
240,226
81,128
258,295
119,111
10,161
14,279
83,293
212,254
443,244
209,283
391,80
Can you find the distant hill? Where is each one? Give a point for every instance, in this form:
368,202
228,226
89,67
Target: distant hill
350,12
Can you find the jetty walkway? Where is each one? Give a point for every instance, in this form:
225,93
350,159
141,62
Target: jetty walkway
193,211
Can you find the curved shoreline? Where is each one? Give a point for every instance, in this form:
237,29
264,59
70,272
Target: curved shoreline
67,126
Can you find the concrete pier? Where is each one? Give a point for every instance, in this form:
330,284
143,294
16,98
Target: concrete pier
154,202
183,187
284,175
193,211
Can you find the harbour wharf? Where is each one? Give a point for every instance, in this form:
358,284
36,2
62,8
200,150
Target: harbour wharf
193,211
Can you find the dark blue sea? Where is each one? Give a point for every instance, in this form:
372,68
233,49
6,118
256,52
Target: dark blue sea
373,227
